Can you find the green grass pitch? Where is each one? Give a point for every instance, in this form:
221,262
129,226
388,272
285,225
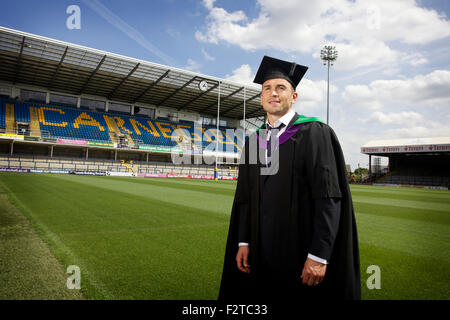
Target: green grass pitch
136,238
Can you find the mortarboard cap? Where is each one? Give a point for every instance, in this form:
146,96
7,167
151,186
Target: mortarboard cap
271,68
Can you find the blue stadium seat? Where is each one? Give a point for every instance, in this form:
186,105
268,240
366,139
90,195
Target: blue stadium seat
22,112
84,124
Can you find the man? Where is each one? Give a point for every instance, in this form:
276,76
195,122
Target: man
292,231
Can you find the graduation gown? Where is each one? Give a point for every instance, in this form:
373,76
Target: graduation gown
281,215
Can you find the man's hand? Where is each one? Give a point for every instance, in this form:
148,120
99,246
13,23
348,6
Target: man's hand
313,272
242,259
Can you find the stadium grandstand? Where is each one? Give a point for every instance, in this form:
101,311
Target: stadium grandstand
66,108
412,162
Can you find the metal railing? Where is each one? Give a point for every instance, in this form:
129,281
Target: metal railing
48,163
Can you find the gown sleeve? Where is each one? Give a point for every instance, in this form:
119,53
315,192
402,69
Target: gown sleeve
244,223
326,225
322,171
241,200
323,178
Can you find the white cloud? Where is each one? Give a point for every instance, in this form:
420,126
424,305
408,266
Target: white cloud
314,90
361,31
408,118
363,53
192,65
429,129
432,89
361,96
312,95
209,4
207,56
416,59
223,24
243,75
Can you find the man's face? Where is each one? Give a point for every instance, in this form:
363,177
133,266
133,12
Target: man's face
277,96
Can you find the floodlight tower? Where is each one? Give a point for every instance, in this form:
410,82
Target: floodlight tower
328,54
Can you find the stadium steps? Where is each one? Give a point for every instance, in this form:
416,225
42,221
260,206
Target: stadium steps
112,125
9,119
113,129
113,137
35,128
130,140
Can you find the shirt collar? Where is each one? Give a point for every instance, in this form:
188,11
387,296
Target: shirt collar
284,119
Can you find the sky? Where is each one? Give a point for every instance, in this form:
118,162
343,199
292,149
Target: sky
391,78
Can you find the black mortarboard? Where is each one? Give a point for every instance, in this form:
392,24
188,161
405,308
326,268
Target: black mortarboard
271,68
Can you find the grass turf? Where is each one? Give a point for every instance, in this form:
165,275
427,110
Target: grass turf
28,270
165,239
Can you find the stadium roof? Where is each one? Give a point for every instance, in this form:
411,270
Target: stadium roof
413,145
69,68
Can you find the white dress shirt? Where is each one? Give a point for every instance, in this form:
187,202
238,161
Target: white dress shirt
283,120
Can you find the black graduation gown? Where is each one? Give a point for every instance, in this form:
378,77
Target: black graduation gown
311,167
